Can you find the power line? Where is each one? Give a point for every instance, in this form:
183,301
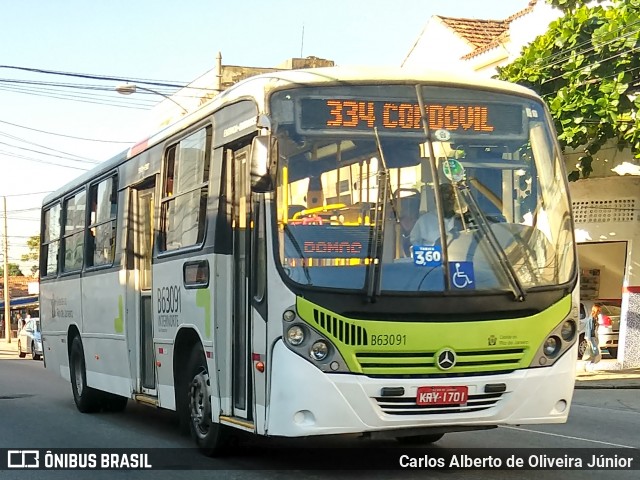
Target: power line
13,137
33,209
95,77
588,66
575,48
26,194
29,159
69,159
131,105
62,135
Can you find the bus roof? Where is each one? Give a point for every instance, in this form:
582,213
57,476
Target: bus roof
259,86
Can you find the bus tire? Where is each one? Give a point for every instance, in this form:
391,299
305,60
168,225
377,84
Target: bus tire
420,439
211,437
87,399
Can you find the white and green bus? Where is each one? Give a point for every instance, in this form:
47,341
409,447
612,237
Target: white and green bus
250,266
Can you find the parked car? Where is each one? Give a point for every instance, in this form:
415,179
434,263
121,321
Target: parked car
608,326
30,340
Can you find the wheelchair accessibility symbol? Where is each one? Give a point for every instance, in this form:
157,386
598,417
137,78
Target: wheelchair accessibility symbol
461,274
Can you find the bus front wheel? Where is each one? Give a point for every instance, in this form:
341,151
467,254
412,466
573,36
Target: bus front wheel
210,436
420,439
86,398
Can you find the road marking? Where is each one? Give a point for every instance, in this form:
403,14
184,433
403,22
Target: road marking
609,409
568,437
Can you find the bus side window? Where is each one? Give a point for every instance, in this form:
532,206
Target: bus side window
223,233
185,191
50,241
74,210
101,236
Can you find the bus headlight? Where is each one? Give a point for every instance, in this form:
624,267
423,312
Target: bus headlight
319,350
568,330
295,335
289,315
551,346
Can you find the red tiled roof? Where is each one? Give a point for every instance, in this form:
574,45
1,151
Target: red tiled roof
18,286
484,35
523,12
477,32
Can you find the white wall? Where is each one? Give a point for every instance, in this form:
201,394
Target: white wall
609,161
608,210
438,48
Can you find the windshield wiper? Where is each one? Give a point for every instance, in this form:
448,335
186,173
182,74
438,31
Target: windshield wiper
373,276
483,226
476,213
296,245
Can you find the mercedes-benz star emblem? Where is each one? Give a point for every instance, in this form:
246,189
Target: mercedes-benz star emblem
446,359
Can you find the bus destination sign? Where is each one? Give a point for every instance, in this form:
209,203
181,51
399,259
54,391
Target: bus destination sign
397,116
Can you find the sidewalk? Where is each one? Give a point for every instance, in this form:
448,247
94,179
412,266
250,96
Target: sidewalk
608,373
9,350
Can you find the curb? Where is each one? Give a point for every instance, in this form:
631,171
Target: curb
612,386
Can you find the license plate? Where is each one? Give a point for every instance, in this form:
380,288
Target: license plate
442,395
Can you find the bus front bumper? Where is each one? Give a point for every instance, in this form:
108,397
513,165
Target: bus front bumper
305,401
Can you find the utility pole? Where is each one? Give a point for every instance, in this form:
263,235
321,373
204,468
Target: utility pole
7,297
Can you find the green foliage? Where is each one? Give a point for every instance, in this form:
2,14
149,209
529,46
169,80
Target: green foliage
14,270
568,5
586,67
33,243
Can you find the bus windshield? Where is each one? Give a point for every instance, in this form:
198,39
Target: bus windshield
469,196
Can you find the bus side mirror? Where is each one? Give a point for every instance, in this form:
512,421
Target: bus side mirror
261,177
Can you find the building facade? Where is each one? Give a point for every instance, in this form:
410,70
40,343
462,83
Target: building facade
606,205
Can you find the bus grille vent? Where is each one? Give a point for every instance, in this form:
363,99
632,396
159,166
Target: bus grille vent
345,332
408,405
424,363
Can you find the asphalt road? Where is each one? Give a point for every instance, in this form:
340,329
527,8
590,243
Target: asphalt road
37,411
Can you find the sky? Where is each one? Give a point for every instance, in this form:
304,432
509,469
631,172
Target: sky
55,127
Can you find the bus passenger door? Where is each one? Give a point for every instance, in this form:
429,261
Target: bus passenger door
141,238
241,318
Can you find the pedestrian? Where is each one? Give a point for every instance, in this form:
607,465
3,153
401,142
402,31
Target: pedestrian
592,354
20,322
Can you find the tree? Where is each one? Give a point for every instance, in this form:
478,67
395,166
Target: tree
14,270
33,243
587,68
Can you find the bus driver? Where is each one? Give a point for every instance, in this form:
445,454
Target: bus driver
426,230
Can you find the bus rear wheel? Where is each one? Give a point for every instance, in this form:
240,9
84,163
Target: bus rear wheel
211,437
87,399
420,439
